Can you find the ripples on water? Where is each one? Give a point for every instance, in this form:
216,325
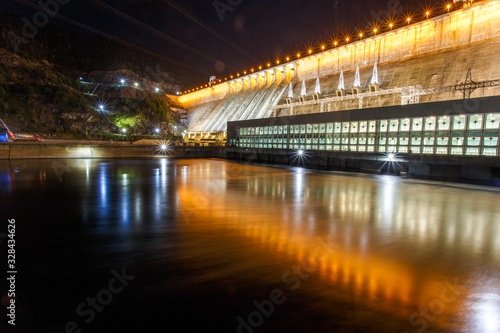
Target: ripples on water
207,238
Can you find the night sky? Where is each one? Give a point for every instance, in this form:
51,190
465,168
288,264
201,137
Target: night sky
248,34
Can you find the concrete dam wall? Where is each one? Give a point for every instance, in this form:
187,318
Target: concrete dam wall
417,63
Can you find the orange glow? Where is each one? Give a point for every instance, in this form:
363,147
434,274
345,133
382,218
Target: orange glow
260,67
427,14
269,65
375,30
252,70
310,51
245,73
298,55
287,58
278,62
231,76
361,35
408,19
323,47
391,25
347,39
335,43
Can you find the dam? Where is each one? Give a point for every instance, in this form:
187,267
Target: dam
428,88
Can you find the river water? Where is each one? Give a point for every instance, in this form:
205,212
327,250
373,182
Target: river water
207,245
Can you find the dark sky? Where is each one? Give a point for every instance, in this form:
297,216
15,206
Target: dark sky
251,32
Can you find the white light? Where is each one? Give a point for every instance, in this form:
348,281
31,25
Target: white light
157,89
124,130
163,147
300,152
101,107
122,81
391,157
136,84
157,130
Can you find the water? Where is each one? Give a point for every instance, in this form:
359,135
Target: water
216,246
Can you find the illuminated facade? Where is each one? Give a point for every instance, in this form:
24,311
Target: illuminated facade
415,64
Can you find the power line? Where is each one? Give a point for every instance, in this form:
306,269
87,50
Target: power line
151,30
204,26
105,35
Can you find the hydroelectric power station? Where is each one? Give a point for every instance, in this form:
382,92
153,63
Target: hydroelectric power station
420,99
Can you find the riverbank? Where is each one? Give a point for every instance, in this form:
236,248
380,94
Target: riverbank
98,150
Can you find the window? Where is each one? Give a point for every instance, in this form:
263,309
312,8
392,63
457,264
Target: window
429,139
459,122
472,151
442,151
444,123
404,125
309,128
403,150
336,139
265,130
416,124
275,130
416,139
490,152
476,121
316,128
430,124
404,139
392,139
322,128
280,130
415,150
354,127
329,128
372,126
362,139
329,139
363,126
428,150
371,140
285,129
492,121
345,139
382,139
338,127
473,138
345,127
457,138
456,151
443,138
393,125
354,139
490,139
302,129
382,127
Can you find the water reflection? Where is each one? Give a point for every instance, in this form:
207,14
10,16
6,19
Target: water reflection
397,243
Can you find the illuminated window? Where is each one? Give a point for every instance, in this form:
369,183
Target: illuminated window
345,139
361,148
416,124
392,139
391,149
381,149
457,139
322,128
363,126
382,139
266,130
476,121
329,128
473,138
459,122
280,130
309,128
285,129
403,150
492,121
472,151
489,151
372,126
430,124
404,139
345,127
442,151
428,150
404,125
393,125
429,139
443,138
336,139
382,127
362,139
370,149
329,139
490,139
371,139
416,139
302,129
354,127
444,123
456,151
315,128
353,148
354,139
338,127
